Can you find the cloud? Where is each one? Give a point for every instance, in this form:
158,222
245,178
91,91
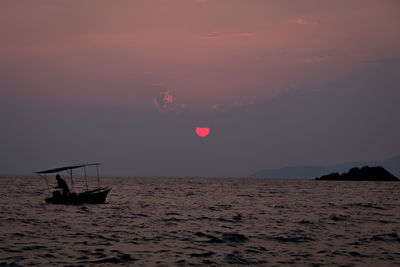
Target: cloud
165,102
218,35
217,107
211,36
304,21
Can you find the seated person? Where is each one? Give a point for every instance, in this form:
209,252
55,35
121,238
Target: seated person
62,185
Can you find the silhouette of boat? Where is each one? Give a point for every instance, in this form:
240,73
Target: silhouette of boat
95,196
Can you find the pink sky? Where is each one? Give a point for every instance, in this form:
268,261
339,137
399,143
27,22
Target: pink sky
204,52
127,82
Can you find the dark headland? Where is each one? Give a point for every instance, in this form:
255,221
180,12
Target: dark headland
364,174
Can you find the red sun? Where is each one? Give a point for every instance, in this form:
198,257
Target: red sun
202,132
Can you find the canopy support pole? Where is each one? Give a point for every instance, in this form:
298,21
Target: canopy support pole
47,183
98,178
72,181
84,170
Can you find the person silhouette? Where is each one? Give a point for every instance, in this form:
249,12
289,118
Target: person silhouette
62,185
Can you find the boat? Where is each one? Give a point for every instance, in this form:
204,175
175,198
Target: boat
93,196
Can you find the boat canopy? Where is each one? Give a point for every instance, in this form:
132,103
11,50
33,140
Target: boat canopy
60,169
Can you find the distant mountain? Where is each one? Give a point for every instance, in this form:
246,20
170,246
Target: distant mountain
392,165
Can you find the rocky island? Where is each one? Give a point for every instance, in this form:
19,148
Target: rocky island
364,174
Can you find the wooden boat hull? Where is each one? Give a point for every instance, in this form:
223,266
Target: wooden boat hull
97,196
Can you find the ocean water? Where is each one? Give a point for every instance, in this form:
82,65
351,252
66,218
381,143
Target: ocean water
204,221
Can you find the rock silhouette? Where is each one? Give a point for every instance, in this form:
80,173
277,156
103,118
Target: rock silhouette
364,174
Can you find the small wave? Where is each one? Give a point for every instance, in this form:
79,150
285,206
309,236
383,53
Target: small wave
33,247
237,217
224,207
337,217
14,259
101,237
211,238
365,205
141,215
18,234
391,237
6,249
226,237
245,195
220,219
294,239
173,219
256,250
98,254
220,207
83,210
208,262
236,258
386,221
171,214
181,263
30,221
233,237
67,227
203,218
83,258
356,254
124,258
305,222
48,255
205,254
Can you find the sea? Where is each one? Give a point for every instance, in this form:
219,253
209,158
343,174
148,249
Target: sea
203,222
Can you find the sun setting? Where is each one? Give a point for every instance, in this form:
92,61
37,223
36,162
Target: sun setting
202,132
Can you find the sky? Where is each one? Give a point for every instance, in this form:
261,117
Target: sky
126,83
